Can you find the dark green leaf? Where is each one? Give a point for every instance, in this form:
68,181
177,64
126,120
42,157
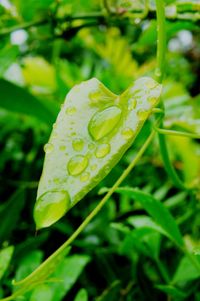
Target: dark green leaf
18,100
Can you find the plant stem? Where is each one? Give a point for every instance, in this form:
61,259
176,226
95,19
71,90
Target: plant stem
109,193
161,40
90,216
159,74
178,133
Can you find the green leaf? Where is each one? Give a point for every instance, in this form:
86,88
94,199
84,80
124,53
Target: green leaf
10,213
172,291
185,271
93,130
43,271
5,258
158,211
68,272
42,292
28,264
7,56
18,100
82,295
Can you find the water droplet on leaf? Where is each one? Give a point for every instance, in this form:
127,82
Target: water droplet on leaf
77,165
152,100
78,144
48,148
151,84
102,150
70,110
142,114
50,207
85,177
132,104
62,148
127,133
103,122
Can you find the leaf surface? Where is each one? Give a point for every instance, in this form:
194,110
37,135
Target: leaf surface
93,130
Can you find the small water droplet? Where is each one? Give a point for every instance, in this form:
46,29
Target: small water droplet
132,104
143,114
151,84
50,207
127,133
77,165
85,177
104,122
48,148
70,110
62,148
102,150
78,144
94,166
152,100
56,180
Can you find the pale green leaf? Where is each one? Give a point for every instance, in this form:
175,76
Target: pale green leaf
5,258
93,130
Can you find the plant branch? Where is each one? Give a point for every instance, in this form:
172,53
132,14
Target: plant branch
159,74
102,18
89,217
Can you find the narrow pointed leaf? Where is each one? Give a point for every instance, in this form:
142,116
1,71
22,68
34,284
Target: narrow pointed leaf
93,130
158,212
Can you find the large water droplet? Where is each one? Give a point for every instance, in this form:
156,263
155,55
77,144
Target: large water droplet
70,110
132,104
48,148
77,165
78,144
50,207
127,133
102,150
143,114
103,122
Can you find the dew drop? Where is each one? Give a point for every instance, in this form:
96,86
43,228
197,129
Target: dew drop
102,150
77,165
85,177
151,84
50,207
62,148
143,114
127,133
48,148
103,122
132,104
70,110
152,100
78,144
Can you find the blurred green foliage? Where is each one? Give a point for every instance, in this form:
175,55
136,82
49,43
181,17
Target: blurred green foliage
132,249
